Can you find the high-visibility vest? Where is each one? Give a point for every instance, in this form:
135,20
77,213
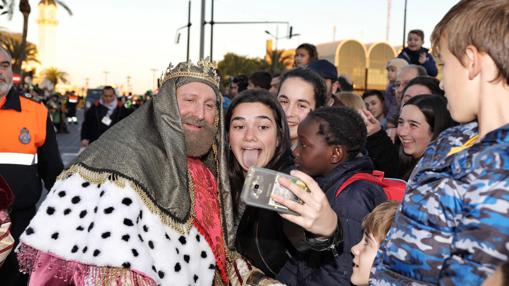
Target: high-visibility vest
22,133
73,98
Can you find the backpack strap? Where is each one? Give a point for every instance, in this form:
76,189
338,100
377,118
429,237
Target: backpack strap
376,177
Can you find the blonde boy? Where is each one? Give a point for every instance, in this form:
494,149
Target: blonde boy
375,225
453,226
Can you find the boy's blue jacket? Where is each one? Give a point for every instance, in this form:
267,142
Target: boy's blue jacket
453,225
351,206
413,58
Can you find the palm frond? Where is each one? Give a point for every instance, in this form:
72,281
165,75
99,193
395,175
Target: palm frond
7,8
63,5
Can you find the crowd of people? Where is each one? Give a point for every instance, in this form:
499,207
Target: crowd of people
406,186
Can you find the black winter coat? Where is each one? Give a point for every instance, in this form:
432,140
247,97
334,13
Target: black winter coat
387,156
261,240
260,237
93,127
351,206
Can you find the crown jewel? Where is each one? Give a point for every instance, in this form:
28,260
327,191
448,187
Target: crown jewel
204,69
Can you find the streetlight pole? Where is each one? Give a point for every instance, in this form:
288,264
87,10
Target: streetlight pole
202,29
404,26
211,29
188,28
275,53
239,23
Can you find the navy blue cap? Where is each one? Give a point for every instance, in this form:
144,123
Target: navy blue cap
324,68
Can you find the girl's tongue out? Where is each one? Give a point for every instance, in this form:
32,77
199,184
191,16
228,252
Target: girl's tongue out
250,157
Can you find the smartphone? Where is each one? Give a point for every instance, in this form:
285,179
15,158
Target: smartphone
261,183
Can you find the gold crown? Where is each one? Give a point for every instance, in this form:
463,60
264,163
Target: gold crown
204,69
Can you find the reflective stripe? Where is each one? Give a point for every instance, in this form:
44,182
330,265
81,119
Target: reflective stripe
18,158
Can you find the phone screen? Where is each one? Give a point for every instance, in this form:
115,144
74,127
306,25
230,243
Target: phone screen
261,183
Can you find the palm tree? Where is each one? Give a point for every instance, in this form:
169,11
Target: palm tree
12,43
278,61
25,9
54,75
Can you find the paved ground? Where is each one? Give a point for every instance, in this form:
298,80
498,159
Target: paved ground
69,144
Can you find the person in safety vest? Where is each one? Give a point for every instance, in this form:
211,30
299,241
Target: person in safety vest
28,153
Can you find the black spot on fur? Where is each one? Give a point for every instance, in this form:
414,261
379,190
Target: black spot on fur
50,210
128,222
127,201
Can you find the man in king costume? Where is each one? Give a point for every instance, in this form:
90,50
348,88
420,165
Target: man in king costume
149,202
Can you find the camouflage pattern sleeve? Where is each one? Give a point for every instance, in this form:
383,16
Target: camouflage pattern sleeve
453,225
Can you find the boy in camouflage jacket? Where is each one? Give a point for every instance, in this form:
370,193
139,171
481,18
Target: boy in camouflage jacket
453,226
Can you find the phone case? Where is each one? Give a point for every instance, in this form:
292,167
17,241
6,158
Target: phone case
261,183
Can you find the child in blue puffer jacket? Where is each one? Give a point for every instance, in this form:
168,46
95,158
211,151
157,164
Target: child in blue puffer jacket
415,54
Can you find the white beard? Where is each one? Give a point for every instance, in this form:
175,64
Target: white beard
5,87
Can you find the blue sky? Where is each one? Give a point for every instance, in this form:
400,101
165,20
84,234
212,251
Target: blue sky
129,38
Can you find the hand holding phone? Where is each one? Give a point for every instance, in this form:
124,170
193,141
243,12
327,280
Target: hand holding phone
315,212
260,184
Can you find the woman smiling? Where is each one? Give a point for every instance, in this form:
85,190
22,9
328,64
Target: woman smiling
257,135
